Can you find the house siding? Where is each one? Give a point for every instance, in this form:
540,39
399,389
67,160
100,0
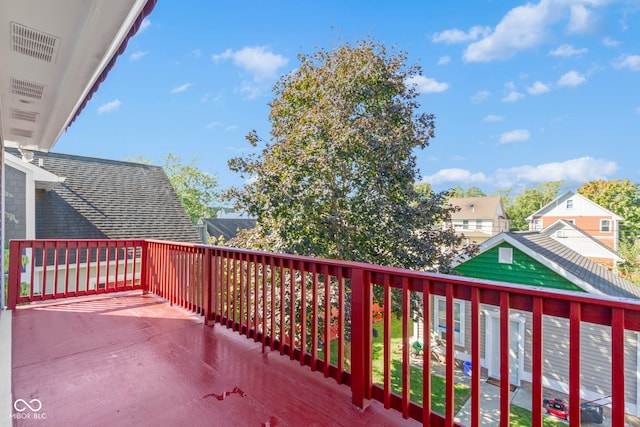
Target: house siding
589,224
595,346
15,222
524,270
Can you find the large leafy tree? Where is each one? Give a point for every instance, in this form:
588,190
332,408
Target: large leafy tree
336,179
621,197
529,201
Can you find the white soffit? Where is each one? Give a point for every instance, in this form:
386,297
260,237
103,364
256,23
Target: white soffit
52,56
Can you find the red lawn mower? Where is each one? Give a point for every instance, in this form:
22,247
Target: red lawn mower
589,411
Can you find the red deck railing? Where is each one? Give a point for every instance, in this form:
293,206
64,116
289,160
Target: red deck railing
51,269
318,313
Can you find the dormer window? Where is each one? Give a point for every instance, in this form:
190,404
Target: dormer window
570,204
605,225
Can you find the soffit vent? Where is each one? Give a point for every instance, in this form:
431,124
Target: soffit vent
27,88
28,116
33,43
25,133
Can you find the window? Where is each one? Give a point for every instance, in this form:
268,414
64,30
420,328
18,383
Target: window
440,318
505,255
569,204
465,224
537,224
605,225
478,224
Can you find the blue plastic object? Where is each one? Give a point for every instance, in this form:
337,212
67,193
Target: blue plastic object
466,366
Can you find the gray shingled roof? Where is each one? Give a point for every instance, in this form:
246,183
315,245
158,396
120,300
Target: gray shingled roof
579,266
109,199
227,227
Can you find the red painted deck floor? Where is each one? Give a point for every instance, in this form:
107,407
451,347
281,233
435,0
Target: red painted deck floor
133,360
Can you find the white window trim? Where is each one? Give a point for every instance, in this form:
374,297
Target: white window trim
610,226
537,224
459,337
505,255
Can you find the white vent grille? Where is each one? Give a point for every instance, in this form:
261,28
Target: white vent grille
33,43
25,133
27,116
27,88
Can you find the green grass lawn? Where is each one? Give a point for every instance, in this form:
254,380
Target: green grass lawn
438,384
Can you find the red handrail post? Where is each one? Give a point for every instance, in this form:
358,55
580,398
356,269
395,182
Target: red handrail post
15,267
144,266
207,284
360,339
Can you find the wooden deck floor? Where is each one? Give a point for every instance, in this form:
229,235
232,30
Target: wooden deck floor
133,360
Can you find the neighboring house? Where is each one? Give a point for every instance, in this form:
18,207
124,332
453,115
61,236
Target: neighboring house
585,214
536,259
62,196
219,230
583,243
479,218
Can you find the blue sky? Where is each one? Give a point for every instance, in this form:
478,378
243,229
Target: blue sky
523,93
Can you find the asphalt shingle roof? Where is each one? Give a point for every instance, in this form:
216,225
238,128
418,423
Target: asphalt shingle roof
581,267
486,207
109,199
227,227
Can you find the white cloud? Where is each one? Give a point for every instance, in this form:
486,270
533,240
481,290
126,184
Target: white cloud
455,175
493,118
572,79
538,88
480,96
458,36
631,62
444,60
137,55
512,96
638,111
196,53
257,60
527,26
519,135
427,85
109,106
523,27
567,50
146,23
214,124
609,42
181,88
582,169
581,19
